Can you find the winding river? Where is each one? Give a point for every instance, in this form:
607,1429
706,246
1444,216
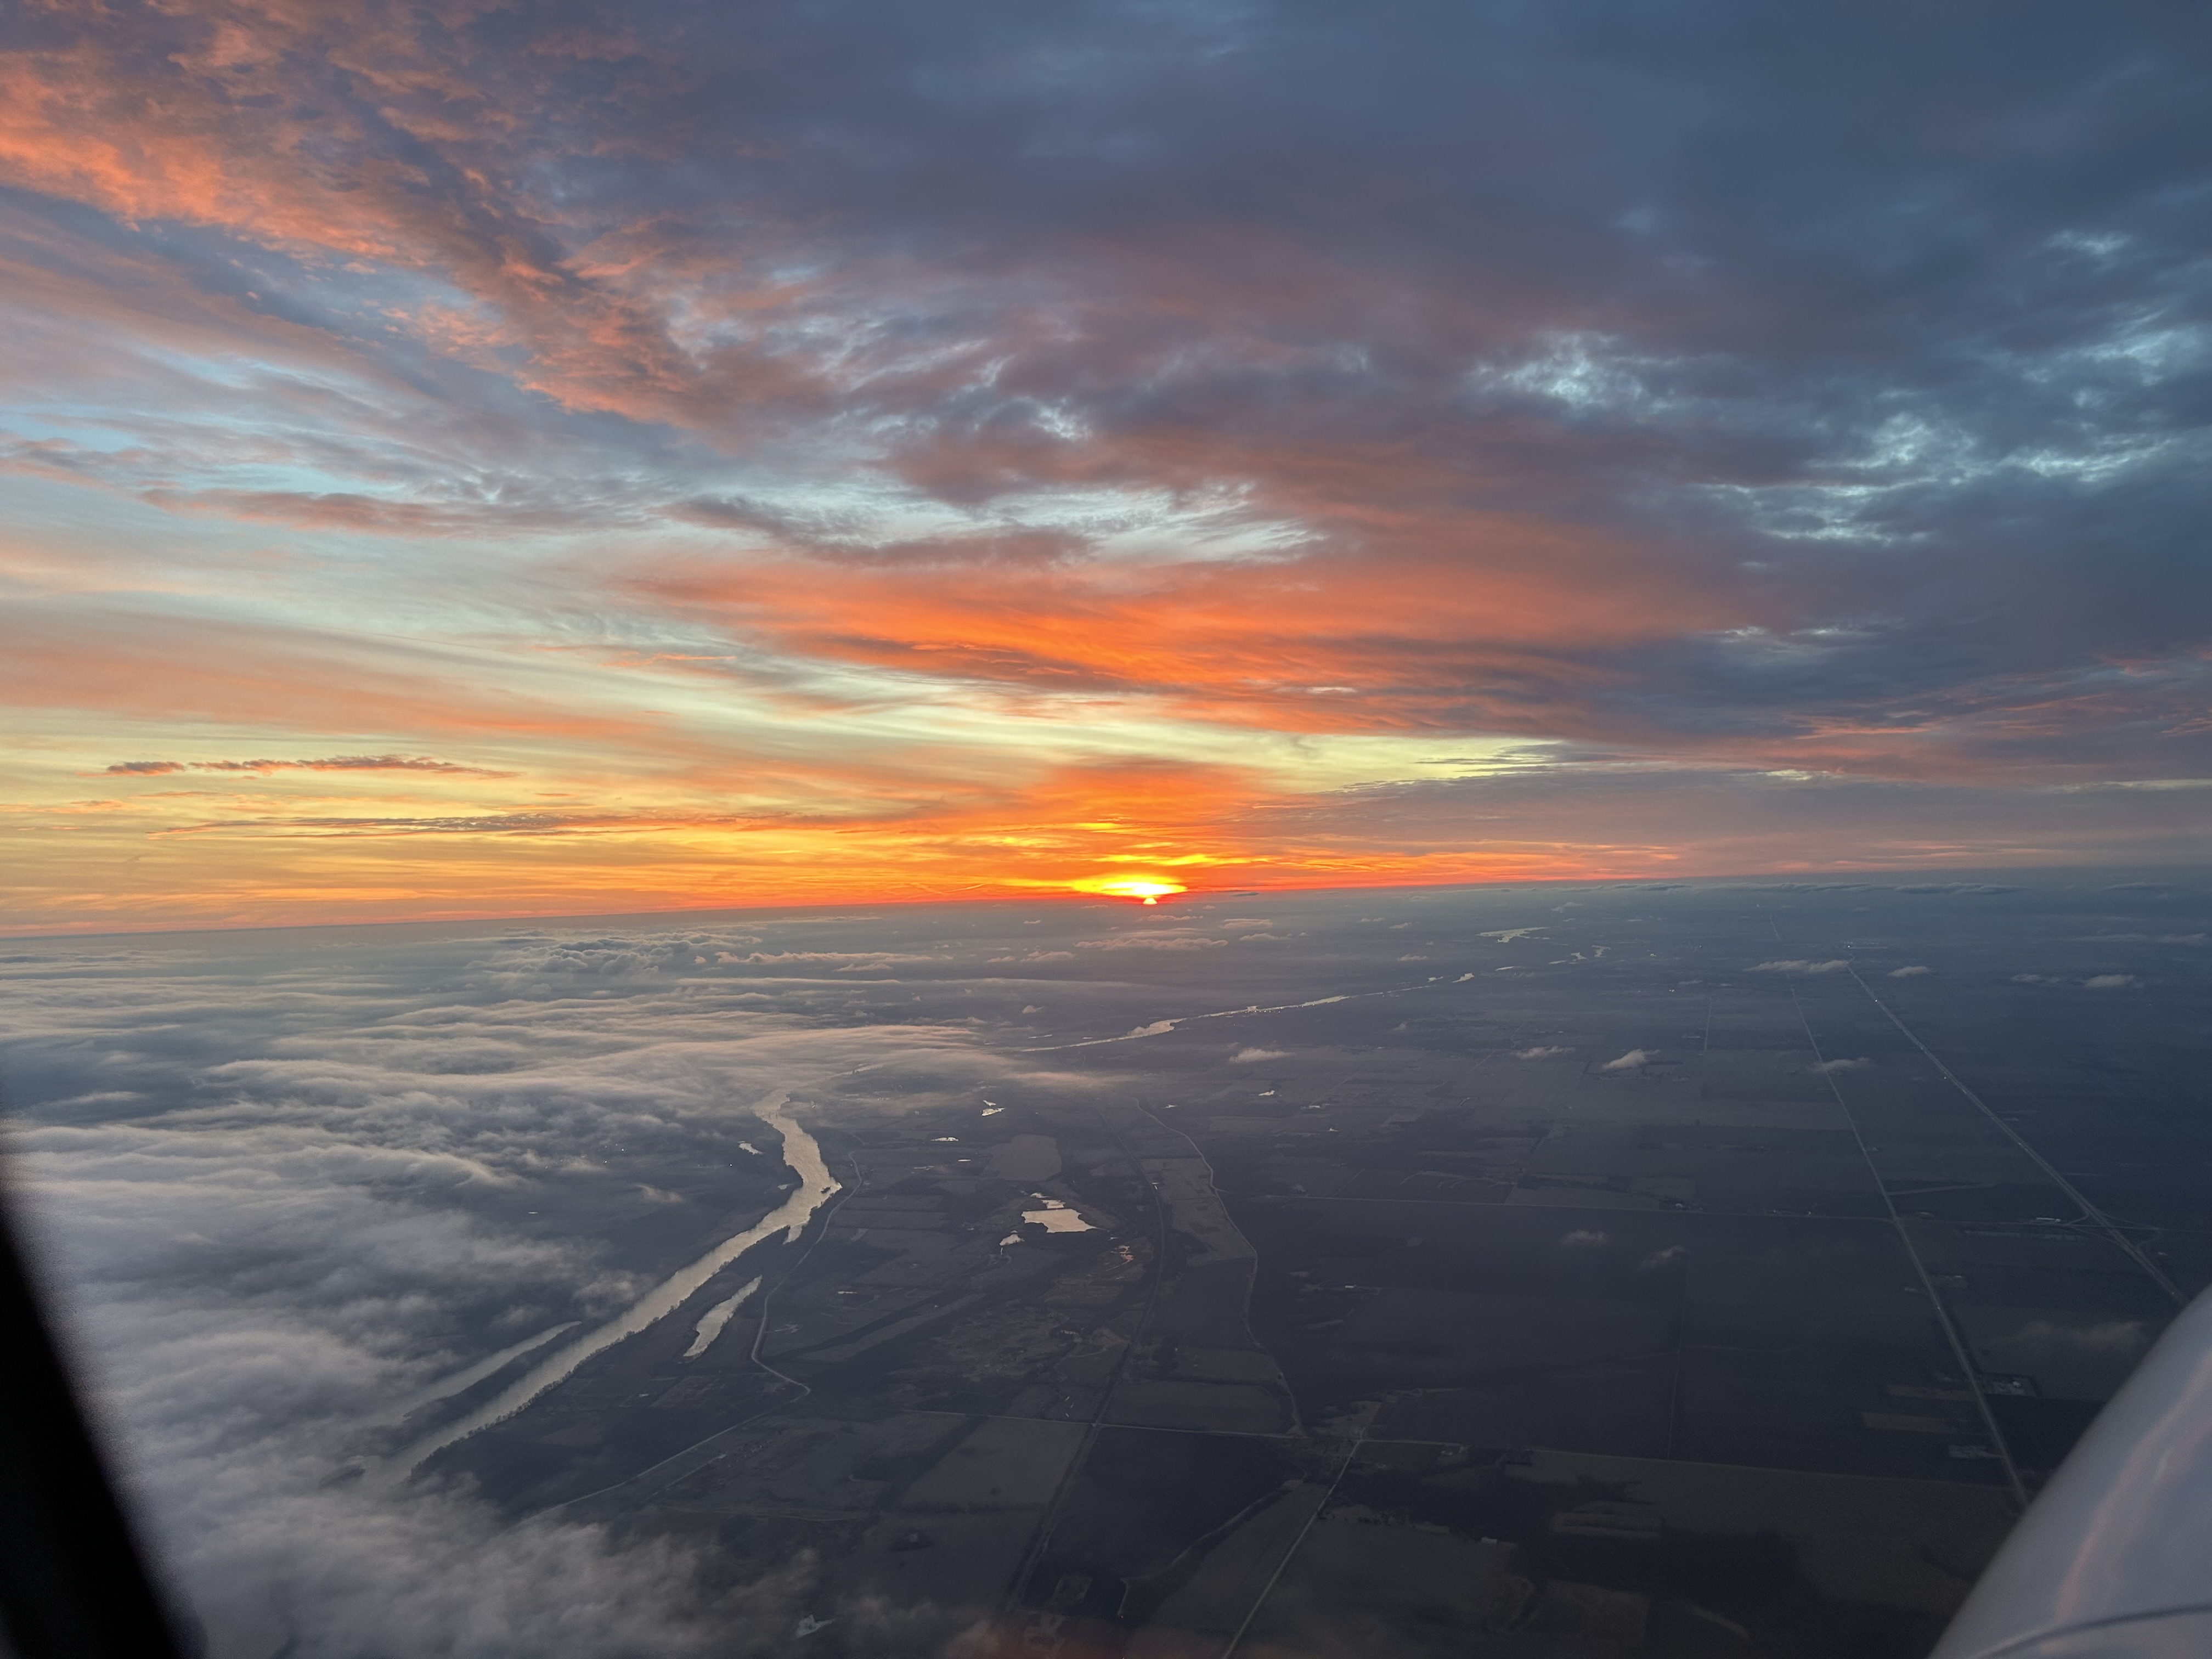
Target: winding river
467,1377
816,1188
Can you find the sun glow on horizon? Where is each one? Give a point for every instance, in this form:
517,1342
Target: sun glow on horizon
1148,889
561,525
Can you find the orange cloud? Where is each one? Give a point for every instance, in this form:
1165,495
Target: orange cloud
424,309
137,663
479,847
331,763
1326,643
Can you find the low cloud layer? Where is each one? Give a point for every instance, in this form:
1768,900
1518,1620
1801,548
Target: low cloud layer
1152,942
313,1190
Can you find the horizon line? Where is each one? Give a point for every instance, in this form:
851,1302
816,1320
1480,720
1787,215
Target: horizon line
1167,902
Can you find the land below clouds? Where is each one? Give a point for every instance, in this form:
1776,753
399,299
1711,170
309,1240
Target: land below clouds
289,1181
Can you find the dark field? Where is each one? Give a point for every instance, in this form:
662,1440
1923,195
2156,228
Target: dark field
1437,1325
1698,1270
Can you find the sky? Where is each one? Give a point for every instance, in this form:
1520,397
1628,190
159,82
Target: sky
484,459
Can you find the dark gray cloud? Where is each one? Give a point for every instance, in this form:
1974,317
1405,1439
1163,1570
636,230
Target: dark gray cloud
1882,331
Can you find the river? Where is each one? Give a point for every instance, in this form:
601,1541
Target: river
816,1188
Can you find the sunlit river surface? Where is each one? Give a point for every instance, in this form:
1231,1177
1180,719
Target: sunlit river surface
816,1188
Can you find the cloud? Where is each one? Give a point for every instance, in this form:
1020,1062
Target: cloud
2109,982
1537,519
2145,938
2109,1336
310,1198
1662,1258
1152,942
843,962
521,960
1249,1056
334,763
1585,1238
1634,1060
1912,972
1829,1067
1542,1053
1802,965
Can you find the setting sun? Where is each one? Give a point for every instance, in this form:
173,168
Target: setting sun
1151,890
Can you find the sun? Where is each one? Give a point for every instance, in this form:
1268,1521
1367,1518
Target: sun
1148,889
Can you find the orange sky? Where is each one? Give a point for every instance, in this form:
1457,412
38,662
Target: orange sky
469,463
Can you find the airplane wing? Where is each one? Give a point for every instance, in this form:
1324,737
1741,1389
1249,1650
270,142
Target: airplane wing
2113,1559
